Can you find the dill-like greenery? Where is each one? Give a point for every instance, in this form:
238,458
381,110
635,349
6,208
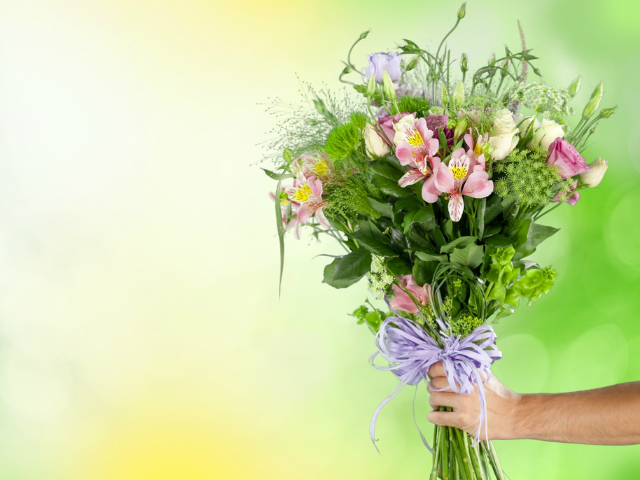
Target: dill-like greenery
350,198
524,174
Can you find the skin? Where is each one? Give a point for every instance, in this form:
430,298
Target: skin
604,416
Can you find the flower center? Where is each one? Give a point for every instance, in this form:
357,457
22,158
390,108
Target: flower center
321,168
414,138
459,173
302,193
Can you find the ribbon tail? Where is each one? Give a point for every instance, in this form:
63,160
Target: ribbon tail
415,422
372,427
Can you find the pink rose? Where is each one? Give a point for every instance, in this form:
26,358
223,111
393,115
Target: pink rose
402,301
565,156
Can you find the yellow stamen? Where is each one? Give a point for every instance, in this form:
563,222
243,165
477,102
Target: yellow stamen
415,139
302,193
459,173
478,149
321,168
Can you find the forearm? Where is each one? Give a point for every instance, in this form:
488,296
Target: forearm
605,416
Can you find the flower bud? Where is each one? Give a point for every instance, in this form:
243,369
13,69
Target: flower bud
592,106
363,35
575,86
458,95
375,146
463,10
505,67
461,127
492,59
607,112
288,155
593,177
463,63
371,87
412,64
388,88
444,95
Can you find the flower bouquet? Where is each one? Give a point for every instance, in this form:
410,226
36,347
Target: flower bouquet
435,188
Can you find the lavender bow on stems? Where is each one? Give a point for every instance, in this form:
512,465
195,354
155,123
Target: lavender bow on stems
410,350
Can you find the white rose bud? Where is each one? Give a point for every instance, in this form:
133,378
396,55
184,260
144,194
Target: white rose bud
545,134
503,137
593,177
376,147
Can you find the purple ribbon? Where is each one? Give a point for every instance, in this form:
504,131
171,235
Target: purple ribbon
410,352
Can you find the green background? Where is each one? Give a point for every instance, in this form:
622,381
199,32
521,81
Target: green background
141,333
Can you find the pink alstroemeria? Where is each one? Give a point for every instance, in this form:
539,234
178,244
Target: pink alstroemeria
286,208
465,175
307,193
402,301
415,147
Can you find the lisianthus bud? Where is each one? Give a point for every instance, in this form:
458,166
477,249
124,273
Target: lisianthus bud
592,106
371,87
388,88
505,67
463,63
593,177
363,35
607,112
463,10
461,127
412,64
374,144
458,95
444,95
575,86
492,59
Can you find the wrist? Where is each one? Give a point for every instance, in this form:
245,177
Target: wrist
521,414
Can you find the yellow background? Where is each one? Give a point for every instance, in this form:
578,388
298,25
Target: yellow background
141,335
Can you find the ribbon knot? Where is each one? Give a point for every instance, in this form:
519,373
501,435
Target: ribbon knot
410,352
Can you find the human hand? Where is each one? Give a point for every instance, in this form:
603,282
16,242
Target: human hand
502,406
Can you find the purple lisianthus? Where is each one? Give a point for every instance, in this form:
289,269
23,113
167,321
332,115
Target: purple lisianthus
437,123
565,156
381,62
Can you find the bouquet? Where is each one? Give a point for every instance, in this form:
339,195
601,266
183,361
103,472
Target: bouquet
435,188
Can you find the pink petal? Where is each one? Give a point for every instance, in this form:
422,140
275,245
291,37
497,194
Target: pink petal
316,188
303,213
573,199
430,192
411,177
423,130
323,220
405,153
478,185
401,301
456,206
444,178
433,145
468,139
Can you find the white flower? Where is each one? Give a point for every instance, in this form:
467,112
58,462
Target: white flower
376,147
401,127
545,134
503,136
524,125
593,177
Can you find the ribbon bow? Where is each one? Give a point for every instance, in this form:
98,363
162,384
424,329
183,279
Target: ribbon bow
410,352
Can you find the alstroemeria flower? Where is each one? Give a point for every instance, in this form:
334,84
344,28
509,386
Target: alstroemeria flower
307,192
312,166
465,175
402,301
415,147
286,208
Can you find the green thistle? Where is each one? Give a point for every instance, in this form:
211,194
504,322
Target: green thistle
344,139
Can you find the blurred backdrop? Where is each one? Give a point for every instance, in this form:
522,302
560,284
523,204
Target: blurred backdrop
141,334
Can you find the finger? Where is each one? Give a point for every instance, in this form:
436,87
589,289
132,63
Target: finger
436,370
444,399
448,419
438,383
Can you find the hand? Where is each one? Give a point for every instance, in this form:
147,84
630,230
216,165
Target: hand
502,404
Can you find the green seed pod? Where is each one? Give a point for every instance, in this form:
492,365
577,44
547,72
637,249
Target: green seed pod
371,87
492,59
461,127
444,95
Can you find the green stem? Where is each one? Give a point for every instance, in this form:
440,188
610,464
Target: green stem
494,457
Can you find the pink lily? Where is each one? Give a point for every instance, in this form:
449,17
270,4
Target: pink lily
415,147
307,192
463,176
402,301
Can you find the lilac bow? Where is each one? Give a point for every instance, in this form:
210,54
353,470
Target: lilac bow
410,352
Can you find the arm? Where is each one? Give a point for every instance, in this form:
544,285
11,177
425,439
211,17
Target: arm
604,416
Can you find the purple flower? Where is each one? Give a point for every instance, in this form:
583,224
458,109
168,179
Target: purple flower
565,156
571,200
380,62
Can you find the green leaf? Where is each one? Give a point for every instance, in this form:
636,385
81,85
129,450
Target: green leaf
373,245
397,266
281,232
492,230
426,217
537,235
329,274
370,229
407,203
353,266
388,186
398,240
520,237
430,258
458,242
277,176
448,228
482,207
497,241
386,171
493,209
438,237
470,256
408,221
423,271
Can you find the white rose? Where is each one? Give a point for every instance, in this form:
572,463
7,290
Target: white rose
374,144
545,134
524,125
593,177
503,136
